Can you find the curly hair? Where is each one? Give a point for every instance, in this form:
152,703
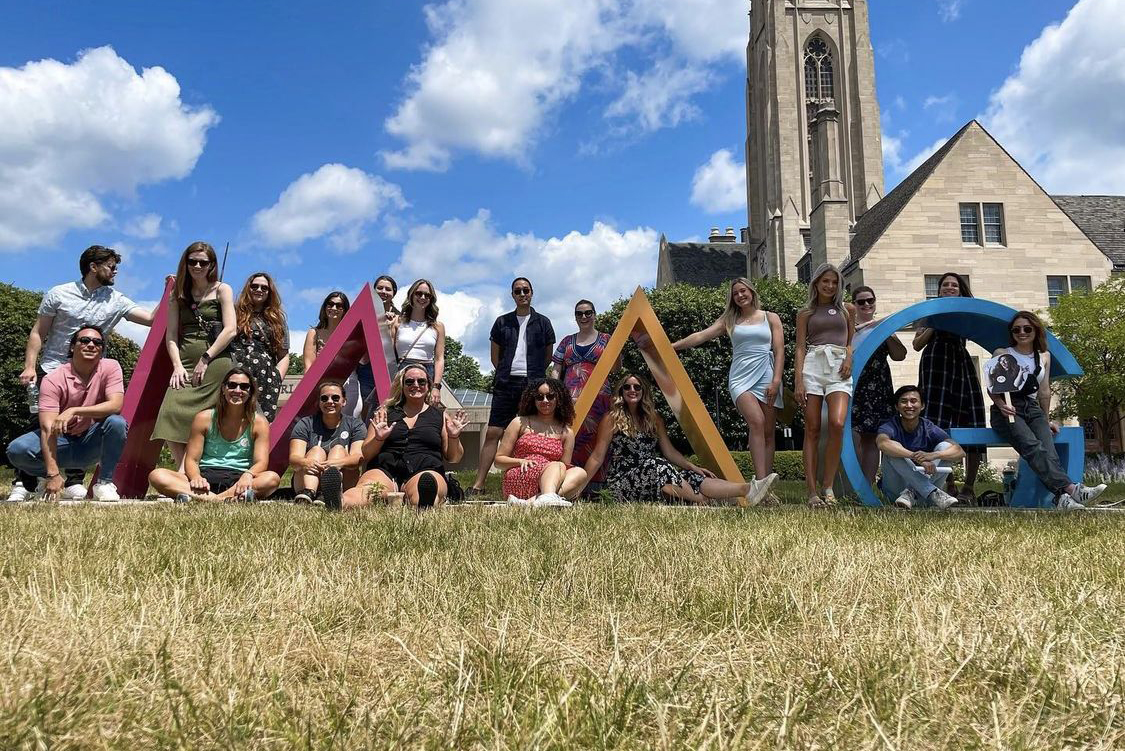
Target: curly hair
272,312
564,405
646,420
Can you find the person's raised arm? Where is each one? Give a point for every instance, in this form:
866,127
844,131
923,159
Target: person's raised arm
378,431
140,315
504,459
309,351
601,445
39,331
713,331
922,337
452,425
777,337
799,357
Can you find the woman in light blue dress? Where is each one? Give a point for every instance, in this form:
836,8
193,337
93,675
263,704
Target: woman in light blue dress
756,365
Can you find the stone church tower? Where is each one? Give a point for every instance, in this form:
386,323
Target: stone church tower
814,161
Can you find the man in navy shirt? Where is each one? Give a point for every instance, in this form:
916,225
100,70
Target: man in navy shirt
913,450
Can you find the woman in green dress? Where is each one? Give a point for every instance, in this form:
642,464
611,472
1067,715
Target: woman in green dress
201,323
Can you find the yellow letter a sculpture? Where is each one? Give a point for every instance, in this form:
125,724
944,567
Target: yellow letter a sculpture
672,380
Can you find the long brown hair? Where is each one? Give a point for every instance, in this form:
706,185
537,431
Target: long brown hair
183,278
322,321
646,419
1040,342
248,407
431,308
272,312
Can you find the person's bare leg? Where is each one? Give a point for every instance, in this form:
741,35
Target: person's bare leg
572,483
751,410
357,497
264,486
868,454
714,487
487,454
306,481
972,468
177,450
169,482
812,441
550,479
838,403
410,488
769,420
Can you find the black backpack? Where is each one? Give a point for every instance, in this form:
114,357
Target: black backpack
454,493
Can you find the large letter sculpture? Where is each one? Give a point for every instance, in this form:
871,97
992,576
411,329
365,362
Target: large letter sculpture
672,380
985,323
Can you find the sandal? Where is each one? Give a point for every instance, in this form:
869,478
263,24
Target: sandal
817,502
967,497
770,501
829,498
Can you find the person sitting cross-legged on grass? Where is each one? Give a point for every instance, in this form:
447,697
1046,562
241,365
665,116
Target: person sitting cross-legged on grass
227,454
408,442
645,466
326,446
536,447
78,422
913,450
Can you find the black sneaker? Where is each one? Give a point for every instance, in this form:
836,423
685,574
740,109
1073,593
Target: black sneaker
427,490
332,487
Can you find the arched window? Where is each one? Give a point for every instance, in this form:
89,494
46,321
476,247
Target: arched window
818,71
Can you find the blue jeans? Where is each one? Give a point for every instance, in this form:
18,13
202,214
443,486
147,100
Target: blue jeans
101,444
899,474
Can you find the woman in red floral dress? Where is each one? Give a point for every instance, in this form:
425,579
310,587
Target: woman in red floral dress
535,451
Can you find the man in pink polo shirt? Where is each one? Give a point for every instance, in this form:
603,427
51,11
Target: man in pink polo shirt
79,424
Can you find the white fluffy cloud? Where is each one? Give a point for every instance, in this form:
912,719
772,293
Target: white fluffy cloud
70,133
600,265
336,202
1060,113
497,69
719,186
144,227
950,10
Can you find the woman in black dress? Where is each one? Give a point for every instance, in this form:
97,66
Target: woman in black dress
950,384
873,402
408,442
262,343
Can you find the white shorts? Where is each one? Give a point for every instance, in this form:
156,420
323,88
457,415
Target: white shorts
822,370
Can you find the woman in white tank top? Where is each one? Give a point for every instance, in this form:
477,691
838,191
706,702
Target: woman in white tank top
419,337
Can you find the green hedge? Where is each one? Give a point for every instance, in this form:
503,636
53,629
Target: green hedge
787,464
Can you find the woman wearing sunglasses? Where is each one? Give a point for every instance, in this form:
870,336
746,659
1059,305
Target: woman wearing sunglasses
873,403
332,311
419,337
201,325
1024,424
408,442
262,343
326,449
644,465
572,363
535,450
227,457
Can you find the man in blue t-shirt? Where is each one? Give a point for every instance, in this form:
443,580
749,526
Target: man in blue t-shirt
913,450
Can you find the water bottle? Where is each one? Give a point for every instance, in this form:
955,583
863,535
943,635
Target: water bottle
1009,481
33,398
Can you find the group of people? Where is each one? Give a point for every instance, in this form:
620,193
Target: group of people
230,356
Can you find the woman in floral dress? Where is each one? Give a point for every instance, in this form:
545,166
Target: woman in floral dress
873,403
262,343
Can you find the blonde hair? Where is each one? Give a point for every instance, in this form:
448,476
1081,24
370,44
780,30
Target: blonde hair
814,296
397,396
732,312
645,421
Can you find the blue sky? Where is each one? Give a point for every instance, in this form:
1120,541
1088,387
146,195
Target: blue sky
469,140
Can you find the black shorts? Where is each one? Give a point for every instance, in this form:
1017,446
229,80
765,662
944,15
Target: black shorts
506,401
220,478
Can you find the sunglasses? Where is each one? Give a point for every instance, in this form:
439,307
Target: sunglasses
111,266
425,295
632,387
866,301
338,305
237,386
260,287
544,397
198,263
84,340
415,381
1023,329
331,398
583,313
521,291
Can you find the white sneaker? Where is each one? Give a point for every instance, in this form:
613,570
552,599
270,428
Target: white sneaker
906,499
1086,494
18,494
552,500
105,491
74,492
760,488
513,501
1066,503
941,499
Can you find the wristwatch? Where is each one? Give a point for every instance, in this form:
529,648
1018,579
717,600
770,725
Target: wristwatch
206,358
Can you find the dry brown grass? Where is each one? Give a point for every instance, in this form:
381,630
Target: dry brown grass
274,626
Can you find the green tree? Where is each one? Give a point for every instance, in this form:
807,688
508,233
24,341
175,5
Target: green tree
461,370
296,364
1092,326
684,308
18,311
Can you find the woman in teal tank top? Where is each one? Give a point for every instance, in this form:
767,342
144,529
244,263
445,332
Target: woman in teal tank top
227,456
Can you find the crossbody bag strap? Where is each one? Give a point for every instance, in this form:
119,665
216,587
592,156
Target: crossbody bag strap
398,357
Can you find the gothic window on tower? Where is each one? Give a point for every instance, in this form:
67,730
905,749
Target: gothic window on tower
818,89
